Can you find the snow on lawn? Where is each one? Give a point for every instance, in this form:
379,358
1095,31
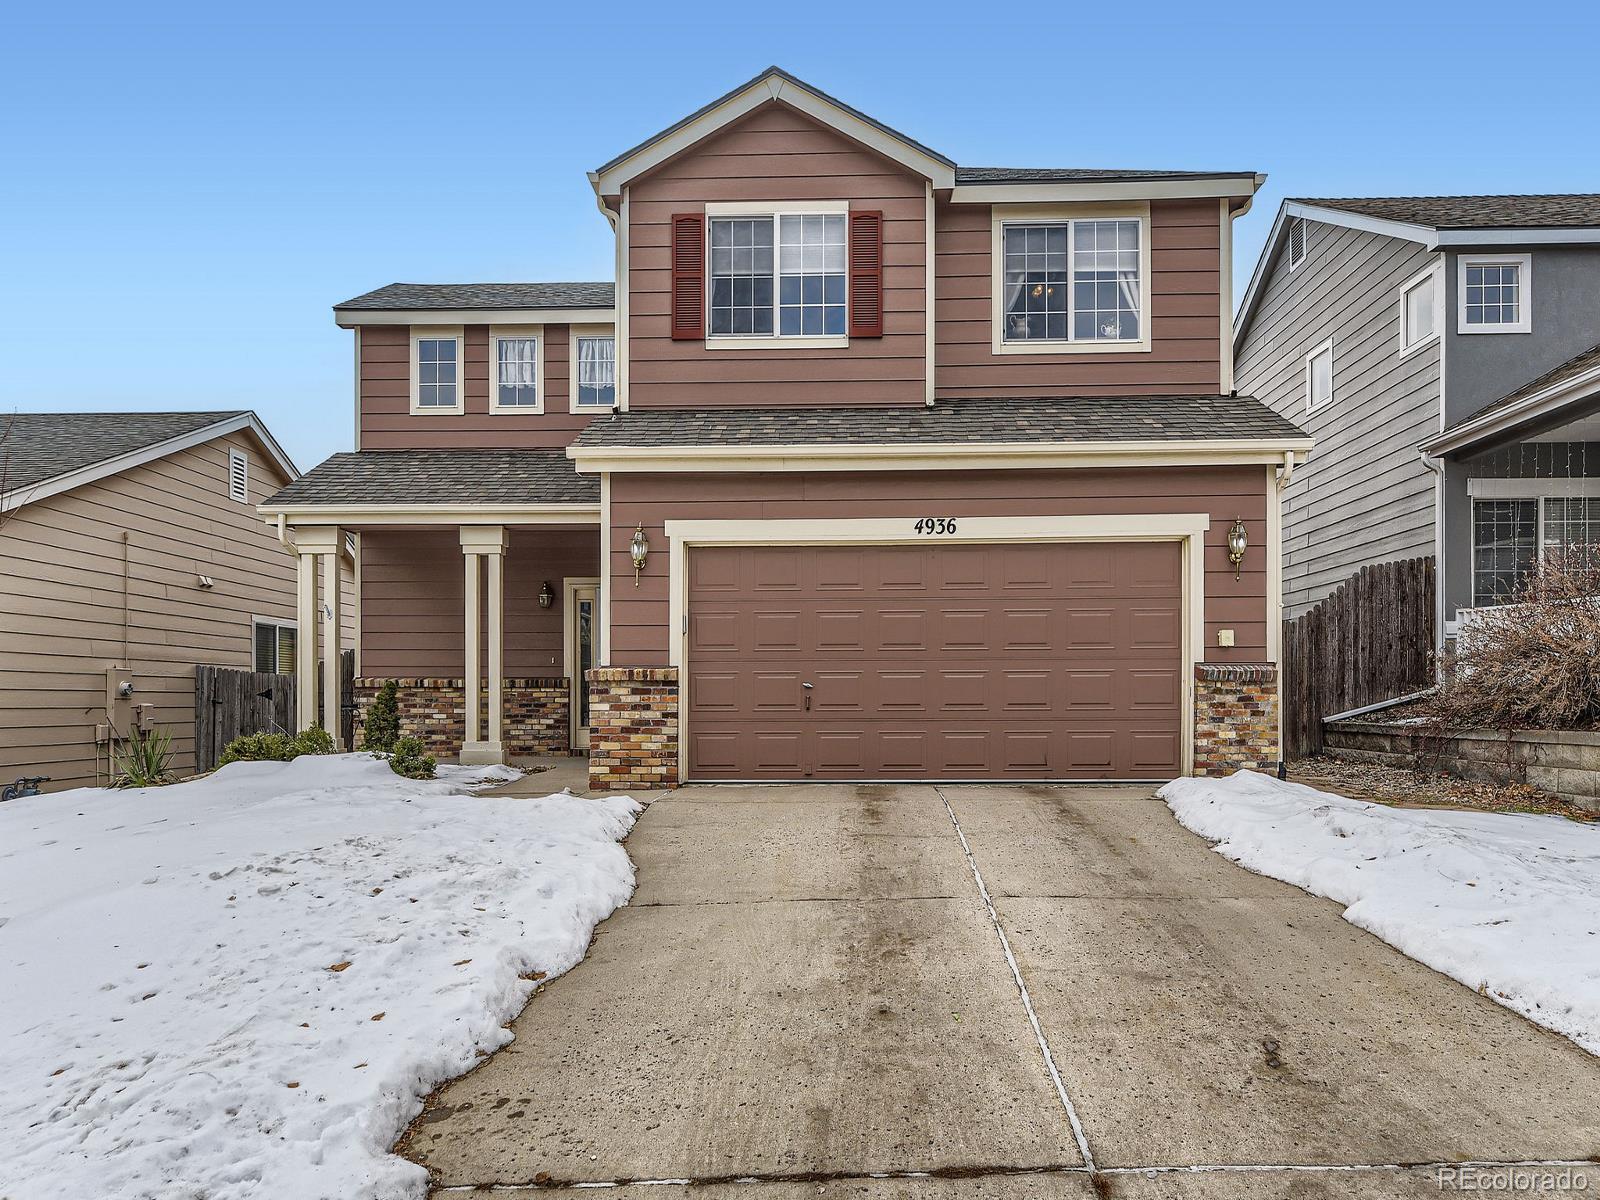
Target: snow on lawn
243,986
1507,904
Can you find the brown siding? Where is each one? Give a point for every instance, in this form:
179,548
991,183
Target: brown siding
776,154
387,422
64,590
639,615
1185,314
411,600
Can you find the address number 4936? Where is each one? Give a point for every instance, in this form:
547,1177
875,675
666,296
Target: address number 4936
934,526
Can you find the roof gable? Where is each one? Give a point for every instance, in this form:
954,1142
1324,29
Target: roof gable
48,453
773,85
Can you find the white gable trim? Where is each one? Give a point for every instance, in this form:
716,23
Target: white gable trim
769,87
1427,236
107,467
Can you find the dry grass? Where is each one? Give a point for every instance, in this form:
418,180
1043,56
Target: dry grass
1404,787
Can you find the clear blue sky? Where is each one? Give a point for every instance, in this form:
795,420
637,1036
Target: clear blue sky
188,189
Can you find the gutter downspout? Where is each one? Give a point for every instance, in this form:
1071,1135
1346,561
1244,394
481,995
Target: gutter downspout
1284,474
1436,465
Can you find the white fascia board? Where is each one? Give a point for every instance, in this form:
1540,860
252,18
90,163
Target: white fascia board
431,514
1542,403
937,456
1220,187
1518,237
350,318
768,88
107,467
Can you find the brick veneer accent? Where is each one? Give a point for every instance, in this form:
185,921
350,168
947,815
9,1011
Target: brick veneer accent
1235,717
633,727
535,720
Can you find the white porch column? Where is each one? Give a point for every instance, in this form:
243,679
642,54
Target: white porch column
305,644
479,542
332,645
313,542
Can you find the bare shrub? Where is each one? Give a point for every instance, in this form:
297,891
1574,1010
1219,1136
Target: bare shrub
1533,663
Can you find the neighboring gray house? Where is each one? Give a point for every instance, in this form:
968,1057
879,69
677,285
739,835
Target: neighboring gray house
1444,352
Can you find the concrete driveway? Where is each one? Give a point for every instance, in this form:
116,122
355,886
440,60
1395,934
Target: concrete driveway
987,991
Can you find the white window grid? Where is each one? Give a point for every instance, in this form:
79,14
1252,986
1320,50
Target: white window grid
777,274
438,373
597,377
516,370
1509,535
1069,281
1494,293
238,476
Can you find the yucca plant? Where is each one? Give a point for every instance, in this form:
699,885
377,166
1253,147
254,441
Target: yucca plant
144,760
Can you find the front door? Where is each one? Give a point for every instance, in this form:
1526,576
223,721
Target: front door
581,605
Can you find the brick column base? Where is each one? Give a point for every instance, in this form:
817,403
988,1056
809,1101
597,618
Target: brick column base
1235,717
535,721
633,728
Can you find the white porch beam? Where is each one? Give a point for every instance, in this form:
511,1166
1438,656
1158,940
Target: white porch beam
305,645
332,598
479,542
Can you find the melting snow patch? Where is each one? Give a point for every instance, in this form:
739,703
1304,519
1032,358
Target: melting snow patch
1507,904
243,986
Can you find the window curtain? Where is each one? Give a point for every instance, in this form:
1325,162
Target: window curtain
517,362
597,361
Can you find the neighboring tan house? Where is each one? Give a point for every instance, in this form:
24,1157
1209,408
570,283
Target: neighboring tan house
872,467
1444,352
131,551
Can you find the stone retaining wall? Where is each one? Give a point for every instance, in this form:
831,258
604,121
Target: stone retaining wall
535,720
1565,764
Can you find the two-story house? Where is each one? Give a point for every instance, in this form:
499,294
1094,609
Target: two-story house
1442,351
870,466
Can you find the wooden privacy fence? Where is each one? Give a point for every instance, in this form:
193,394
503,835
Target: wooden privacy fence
229,704
1371,640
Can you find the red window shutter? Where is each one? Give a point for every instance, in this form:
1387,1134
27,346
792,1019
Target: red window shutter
866,273
688,277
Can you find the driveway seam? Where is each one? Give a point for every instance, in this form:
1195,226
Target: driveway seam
1022,989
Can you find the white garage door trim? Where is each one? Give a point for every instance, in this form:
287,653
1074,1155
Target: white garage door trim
1188,529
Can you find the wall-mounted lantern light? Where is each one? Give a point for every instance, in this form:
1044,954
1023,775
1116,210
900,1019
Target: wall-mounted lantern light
1237,544
639,550
546,596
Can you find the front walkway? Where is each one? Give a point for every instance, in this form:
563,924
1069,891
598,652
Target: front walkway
809,994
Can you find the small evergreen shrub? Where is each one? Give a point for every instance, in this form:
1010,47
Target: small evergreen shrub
276,747
315,740
381,726
411,759
145,760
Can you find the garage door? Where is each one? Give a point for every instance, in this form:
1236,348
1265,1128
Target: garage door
954,661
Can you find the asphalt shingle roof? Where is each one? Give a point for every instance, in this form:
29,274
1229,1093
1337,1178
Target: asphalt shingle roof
1077,175
1066,419
442,477
400,296
1573,367
41,446
1472,212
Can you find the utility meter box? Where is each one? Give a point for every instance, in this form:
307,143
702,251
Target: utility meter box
120,690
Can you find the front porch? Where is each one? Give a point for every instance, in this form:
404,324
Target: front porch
483,607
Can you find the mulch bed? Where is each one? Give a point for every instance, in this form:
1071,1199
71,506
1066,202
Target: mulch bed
1405,787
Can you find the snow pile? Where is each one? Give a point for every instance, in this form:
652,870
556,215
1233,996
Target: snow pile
1507,904
243,985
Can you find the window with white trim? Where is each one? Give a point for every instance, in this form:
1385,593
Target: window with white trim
1419,311
1510,536
779,274
1297,242
436,363
274,643
238,475
1073,281
516,370
1319,376
596,359
1495,293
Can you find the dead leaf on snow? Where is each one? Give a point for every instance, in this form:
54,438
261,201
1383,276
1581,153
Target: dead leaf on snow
377,1016
339,966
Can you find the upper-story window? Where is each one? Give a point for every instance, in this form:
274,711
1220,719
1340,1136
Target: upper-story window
436,360
1319,376
1419,311
595,356
514,361
779,273
1071,283
1495,293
